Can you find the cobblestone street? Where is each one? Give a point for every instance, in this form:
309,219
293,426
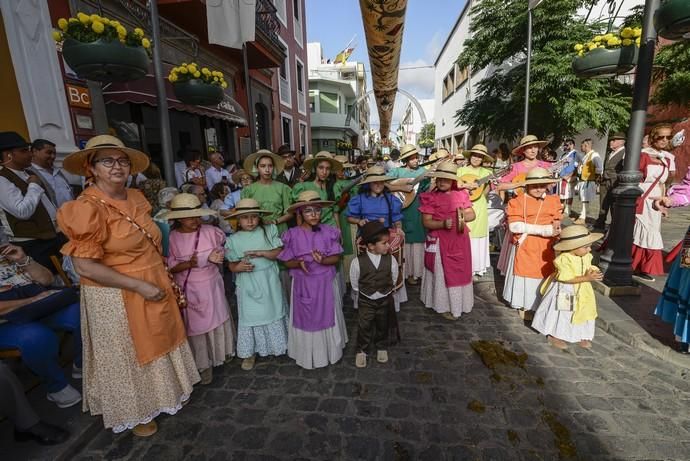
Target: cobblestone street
436,399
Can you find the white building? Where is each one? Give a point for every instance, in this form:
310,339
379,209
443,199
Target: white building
337,114
411,122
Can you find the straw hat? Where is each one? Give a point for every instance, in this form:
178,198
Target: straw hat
538,175
308,197
252,159
407,151
574,237
479,149
187,206
447,169
375,174
310,164
237,175
76,162
529,140
440,153
247,206
344,161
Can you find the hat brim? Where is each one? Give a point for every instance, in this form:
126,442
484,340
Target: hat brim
408,155
292,208
568,245
521,147
376,178
75,162
198,213
249,162
336,166
468,153
531,182
251,211
444,175
237,176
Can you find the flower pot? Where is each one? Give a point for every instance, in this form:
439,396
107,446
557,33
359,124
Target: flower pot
198,92
672,19
104,61
606,63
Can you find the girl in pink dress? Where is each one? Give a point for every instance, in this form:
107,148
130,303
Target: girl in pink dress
195,257
447,279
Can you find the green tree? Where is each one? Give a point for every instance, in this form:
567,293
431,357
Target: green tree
561,104
673,77
427,135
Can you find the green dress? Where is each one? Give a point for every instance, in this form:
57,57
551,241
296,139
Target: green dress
412,218
327,213
338,188
480,226
275,197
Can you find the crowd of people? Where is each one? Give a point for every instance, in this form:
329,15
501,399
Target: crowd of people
160,270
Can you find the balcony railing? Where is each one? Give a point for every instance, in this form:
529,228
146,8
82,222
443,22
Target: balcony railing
267,21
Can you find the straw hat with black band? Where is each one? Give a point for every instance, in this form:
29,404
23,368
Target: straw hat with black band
187,206
375,174
446,169
322,156
247,206
308,198
344,161
407,151
538,175
479,149
237,175
529,140
574,237
77,162
252,159
439,154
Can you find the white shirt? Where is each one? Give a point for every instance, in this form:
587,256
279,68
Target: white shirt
376,261
57,181
22,206
215,175
670,158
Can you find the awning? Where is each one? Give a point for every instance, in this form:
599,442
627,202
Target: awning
143,91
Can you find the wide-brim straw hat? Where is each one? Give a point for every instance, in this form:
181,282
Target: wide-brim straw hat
309,197
375,174
344,161
529,140
247,206
574,237
440,153
187,206
237,175
447,170
76,162
322,156
252,159
538,175
407,151
479,149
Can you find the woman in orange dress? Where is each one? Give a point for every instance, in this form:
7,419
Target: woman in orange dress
137,362
534,219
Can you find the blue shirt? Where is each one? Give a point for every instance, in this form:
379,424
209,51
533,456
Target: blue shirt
571,163
364,206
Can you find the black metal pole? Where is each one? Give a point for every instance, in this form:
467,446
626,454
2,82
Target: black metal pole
616,261
250,102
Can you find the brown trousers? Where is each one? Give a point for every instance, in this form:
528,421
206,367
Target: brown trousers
373,322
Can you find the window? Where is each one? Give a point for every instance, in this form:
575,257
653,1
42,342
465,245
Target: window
461,76
300,77
284,81
283,70
448,84
303,139
328,102
312,101
280,7
295,9
286,123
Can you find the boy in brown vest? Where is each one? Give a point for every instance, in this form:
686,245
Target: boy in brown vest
373,275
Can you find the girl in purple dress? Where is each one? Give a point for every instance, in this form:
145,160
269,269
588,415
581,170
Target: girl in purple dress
311,251
195,256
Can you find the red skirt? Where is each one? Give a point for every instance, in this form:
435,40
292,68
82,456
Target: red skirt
647,261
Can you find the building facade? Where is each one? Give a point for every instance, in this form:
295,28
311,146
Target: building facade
412,121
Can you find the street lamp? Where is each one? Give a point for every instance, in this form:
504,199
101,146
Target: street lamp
532,4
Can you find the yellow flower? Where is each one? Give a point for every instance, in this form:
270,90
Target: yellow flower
638,41
57,36
637,32
121,31
220,74
612,42
224,85
579,47
192,68
95,17
83,18
72,20
146,43
205,71
62,24
97,27
627,42
138,32
105,21
581,53
182,70
172,78
215,79
597,38
627,32
184,64
197,74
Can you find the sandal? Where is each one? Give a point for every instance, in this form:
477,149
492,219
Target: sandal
145,430
248,363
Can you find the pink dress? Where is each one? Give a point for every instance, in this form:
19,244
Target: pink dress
207,316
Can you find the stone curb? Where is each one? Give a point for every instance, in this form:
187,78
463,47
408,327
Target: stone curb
613,320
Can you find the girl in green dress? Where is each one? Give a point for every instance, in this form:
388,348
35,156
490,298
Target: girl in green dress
273,196
321,180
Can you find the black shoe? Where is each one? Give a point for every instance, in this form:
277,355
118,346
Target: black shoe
645,277
43,434
684,348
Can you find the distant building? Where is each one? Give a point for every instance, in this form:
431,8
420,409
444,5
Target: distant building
411,123
334,90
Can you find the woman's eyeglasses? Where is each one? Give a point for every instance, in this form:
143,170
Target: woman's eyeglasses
311,211
667,138
109,162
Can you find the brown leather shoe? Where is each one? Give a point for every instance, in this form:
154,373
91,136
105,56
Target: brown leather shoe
145,430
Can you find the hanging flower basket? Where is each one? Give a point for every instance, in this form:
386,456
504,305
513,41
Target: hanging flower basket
602,62
672,19
197,86
198,93
100,49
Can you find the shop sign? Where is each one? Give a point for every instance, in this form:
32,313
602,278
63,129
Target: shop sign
78,96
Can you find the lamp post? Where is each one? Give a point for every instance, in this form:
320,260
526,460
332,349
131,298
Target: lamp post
616,261
532,4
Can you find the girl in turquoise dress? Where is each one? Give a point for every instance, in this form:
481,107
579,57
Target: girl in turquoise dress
262,311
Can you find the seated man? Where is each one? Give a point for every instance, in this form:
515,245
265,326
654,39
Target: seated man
29,313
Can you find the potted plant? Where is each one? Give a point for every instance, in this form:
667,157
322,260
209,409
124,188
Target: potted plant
197,86
101,49
672,19
608,55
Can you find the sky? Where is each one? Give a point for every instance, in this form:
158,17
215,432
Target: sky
427,25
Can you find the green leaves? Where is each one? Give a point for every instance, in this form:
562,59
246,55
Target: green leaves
672,77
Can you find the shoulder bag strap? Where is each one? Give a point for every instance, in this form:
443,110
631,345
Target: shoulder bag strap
189,271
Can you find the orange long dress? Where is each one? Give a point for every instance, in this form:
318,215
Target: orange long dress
137,362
